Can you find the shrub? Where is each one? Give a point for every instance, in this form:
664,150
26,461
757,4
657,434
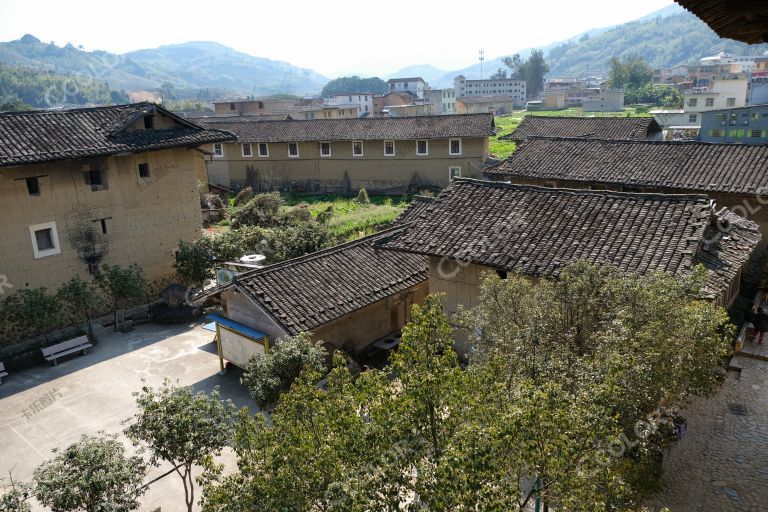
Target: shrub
298,240
362,197
324,216
262,210
243,197
299,213
33,310
266,376
193,263
211,202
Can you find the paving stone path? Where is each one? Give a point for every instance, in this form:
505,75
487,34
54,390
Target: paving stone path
722,462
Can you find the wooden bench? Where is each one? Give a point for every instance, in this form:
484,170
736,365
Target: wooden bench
3,373
79,344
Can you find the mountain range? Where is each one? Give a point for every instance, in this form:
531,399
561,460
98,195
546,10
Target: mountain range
204,70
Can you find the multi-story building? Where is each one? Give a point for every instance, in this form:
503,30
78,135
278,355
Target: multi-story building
605,100
741,63
415,85
104,185
443,101
363,101
381,154
722,93
758,82
478,104
515,89
744,125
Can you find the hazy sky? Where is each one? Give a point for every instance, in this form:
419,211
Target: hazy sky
332,37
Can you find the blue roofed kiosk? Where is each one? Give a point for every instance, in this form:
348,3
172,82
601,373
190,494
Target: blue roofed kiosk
237,343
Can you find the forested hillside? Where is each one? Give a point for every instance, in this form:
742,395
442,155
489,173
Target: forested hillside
41,89
661,42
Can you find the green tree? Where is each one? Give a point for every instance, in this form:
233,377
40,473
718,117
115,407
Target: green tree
632,73
262,210
14,496
362,197
33,310
499,74
266,376
532,70
354,84
79,300
91,475
182,428
121,285
193,263
656,94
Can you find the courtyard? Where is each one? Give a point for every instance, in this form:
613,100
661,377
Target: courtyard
49,407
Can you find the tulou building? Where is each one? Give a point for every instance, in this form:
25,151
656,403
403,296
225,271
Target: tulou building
383,155
92,186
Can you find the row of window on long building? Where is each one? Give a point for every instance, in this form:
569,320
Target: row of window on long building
358,148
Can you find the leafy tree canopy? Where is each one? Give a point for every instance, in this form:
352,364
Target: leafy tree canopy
631,73
91,475
353,84
532,70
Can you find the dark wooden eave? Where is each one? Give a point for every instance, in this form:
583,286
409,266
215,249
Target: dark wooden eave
742,20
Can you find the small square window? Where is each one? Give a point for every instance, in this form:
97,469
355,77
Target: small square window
454,146
45,240
389,148
231,106
33,186
149,122
710,102
325,149
144,170
730,102
692,102
756,133
218,150
453,173
422,147
293,150
96,179
692,118
357,148
247,150
263,149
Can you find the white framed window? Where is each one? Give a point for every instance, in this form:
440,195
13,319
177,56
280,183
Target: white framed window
730,102
325,149
357,148
247,150
453,173
692,118
218,150
454,146
422,147
45,240
263,149
293,150
389,148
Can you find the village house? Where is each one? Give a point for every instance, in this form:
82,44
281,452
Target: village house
605,100
477,227
103,185
498,105
414,85
383,155
349,297
745,125
514,89
733,175
362,101
620,128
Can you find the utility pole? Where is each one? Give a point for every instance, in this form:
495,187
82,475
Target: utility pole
482,58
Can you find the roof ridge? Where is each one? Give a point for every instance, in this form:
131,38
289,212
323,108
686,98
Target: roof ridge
635,141
38,112
340,120
574,191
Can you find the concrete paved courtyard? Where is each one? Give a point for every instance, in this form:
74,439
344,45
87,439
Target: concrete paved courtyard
48,407
722,462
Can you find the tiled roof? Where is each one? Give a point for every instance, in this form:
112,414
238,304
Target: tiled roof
414,209
743,21
669,166
538,231
40,136
377,128
304,293
619,128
